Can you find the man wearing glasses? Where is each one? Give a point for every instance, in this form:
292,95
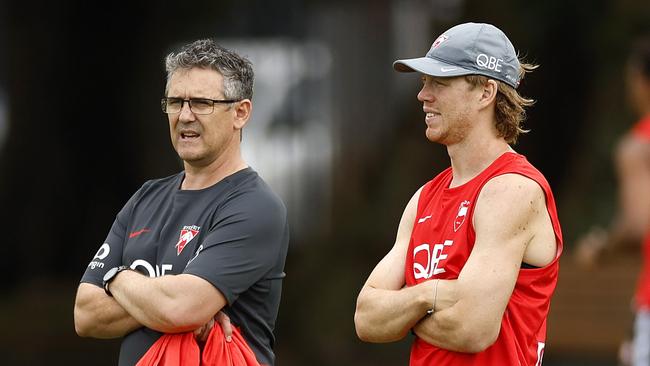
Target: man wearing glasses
210,241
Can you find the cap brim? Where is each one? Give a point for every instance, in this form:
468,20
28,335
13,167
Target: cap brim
430,66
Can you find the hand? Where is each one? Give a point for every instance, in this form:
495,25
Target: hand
224,321
589,247
201,334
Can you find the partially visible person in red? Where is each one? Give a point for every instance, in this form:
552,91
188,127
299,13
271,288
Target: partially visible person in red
631,224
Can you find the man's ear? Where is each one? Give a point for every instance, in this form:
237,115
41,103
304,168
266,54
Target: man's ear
489,92
242,111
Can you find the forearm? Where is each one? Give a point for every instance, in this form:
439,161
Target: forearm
100,316
446,329
463,320
147,300
388,315
165,304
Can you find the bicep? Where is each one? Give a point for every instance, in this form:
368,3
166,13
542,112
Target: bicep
505,220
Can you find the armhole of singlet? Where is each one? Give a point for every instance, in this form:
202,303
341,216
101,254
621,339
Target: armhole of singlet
525,265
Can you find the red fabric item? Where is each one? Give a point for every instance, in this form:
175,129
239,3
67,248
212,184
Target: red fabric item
641,130
182,350
441,242
218,352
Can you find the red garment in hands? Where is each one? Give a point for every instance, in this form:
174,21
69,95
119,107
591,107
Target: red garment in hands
182,350
218,352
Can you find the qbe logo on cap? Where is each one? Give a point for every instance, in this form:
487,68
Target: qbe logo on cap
489,62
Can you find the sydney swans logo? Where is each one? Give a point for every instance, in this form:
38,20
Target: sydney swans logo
460,217
187,234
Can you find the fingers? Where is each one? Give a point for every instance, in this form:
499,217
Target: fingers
224,321
201,334
197,332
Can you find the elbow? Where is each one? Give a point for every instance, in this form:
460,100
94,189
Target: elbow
83,325
361,328
365,333
478,345
476,341
87,310
363,322
360,322
371,325
81,329
373,332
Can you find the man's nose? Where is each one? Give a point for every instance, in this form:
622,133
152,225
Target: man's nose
425,94
186,113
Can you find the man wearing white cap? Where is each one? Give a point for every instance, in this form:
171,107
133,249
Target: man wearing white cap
475,261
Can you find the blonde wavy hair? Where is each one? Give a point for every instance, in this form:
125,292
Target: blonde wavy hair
510,109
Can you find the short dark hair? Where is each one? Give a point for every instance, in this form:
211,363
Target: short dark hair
237,71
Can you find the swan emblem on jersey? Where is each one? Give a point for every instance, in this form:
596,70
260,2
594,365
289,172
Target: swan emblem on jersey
187,234
460,216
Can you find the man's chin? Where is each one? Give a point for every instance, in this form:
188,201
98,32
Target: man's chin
433,137
192,158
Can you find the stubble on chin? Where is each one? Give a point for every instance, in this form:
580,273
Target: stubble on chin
188,155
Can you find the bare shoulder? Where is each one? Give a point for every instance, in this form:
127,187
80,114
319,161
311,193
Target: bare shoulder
511,208
509,202
512,190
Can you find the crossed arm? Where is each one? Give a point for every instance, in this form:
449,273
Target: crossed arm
168,304
386,310
100,316
509,212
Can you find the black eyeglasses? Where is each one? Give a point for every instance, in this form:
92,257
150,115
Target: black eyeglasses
197,105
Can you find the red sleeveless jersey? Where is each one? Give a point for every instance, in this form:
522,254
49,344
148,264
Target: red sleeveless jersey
441,242
641,131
